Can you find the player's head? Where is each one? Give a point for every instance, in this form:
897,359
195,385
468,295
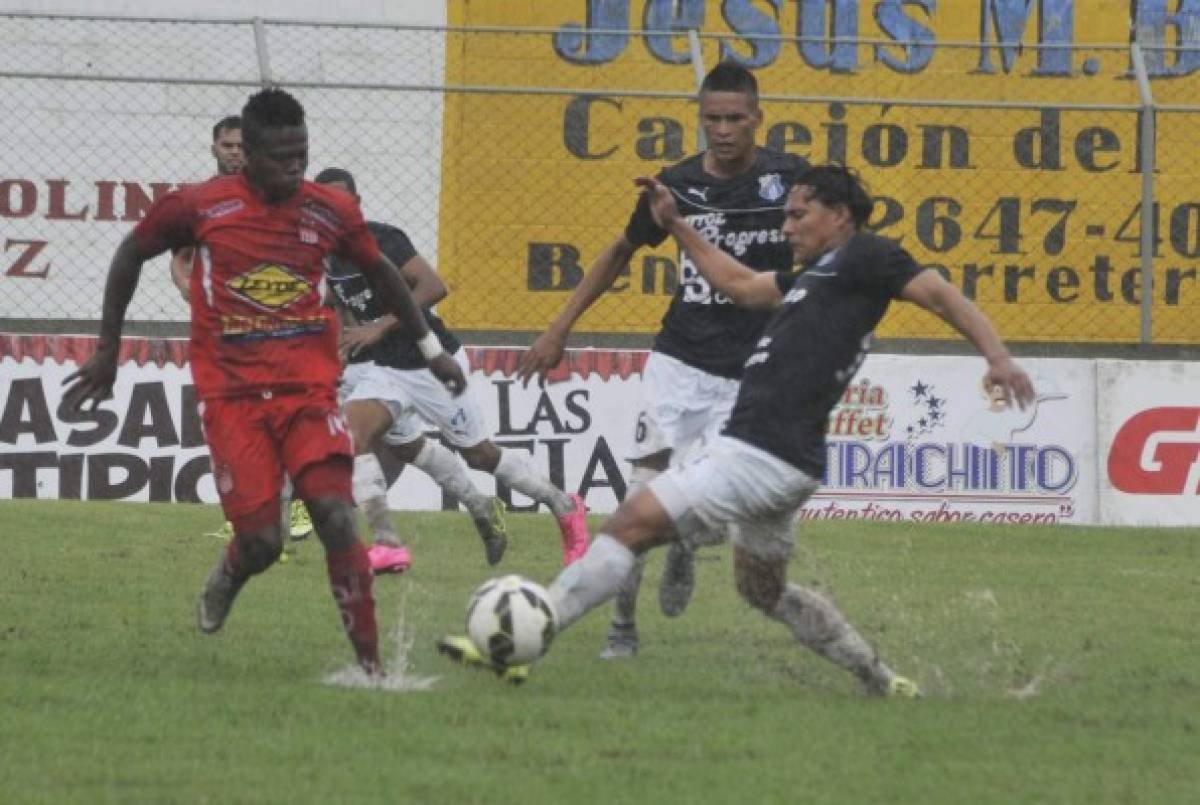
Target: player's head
338,177
825,207
227,145
730,115
275,140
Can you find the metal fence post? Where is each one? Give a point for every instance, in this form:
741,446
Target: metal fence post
1149,219
260,48
698,68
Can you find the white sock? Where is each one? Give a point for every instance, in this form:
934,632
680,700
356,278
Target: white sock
370,494
450,473
590,581
817,623
516,470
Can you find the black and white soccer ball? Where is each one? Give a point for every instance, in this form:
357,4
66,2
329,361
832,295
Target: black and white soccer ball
511,620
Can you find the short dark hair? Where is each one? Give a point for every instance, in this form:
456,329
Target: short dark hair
230,123
729,76
337,175
838,186
269,108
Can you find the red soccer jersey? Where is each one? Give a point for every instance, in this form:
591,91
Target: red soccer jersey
259,319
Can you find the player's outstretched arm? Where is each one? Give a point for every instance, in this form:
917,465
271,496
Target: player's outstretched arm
94,380
1004,378
547,350
742,284
389,285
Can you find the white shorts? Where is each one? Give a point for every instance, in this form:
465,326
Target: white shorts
416,399
737,488
683,408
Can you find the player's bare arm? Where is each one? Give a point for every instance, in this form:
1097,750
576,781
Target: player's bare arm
1004,378
389,285
427,290
94,380
547,350
743,285
181,270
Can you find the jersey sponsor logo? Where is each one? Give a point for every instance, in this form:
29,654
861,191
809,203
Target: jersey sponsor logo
270,286
1157,452
770,187
223,208
313,213
307,235
236,327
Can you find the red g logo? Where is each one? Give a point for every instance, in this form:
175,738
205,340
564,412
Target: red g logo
1157,452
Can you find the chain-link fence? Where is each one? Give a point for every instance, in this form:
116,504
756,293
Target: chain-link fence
509,162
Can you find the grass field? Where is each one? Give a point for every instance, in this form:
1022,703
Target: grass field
1061,665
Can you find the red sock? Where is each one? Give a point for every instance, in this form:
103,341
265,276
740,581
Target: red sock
350,579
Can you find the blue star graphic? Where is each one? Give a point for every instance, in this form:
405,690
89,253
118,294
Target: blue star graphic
919,390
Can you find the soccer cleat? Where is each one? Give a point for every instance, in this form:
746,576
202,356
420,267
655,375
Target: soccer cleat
386,558
220,589
224,533
461,650
901,687
622,642
300,525
493,530
575,536
678,580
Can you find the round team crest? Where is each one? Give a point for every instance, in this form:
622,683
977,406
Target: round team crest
770,187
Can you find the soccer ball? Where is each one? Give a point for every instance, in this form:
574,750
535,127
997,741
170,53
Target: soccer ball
511,620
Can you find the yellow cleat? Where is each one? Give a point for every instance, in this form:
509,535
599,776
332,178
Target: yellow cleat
901,687
461,650
224,533
300,525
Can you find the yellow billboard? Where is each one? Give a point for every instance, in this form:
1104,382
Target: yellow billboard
1002,139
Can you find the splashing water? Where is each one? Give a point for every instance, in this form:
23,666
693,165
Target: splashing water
399,677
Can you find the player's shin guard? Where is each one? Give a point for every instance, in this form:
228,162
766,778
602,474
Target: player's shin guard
450,473
350,580
818,624
516,471
590,581
370,493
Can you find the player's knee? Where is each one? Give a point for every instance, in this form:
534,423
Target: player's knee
659,462
407,452
333,520
261,551
758,591
260,538
484,456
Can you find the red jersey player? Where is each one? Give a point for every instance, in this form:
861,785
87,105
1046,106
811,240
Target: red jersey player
264,352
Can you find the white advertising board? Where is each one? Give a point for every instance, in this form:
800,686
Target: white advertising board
913,440
1149,435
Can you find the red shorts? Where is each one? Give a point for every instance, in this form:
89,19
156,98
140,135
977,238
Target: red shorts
255,439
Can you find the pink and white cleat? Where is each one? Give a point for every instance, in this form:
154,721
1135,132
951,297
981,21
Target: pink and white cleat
575,536
389,558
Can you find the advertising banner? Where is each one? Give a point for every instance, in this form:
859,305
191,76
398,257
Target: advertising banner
1031,208
910,440
1149,432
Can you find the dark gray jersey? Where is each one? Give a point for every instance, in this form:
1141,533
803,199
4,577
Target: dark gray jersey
397,349
813,345
742,216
